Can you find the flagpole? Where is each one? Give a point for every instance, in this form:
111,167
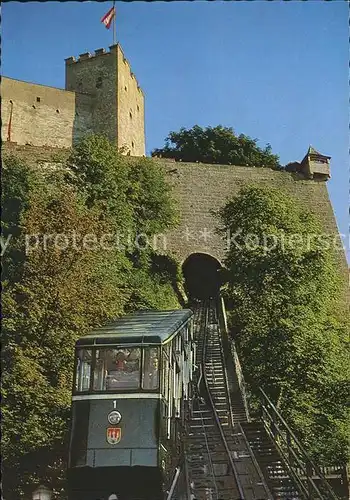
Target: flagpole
114,25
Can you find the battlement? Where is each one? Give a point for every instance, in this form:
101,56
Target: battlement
113,49
87,55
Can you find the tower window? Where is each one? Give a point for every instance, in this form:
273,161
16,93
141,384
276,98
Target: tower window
57,110
138,108
132,144
11,101
126,88
130,114
38,99
33,107
99,82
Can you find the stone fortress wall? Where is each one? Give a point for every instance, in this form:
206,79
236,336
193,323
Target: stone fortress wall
200,189
102,96
42,116
94,101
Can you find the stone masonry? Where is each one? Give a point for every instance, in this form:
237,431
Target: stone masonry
42,116
201,189
102,96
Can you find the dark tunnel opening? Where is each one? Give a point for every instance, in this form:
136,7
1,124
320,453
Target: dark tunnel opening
202,276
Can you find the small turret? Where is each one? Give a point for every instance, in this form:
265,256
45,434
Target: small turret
315,165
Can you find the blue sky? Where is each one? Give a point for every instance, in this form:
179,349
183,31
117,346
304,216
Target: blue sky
276,71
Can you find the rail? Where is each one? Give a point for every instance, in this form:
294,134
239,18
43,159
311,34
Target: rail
216,416
217,310
304,471
237,364
208,450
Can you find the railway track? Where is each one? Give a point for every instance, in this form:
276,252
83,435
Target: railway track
221,463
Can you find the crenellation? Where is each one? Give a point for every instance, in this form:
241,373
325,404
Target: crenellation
88,56
84,56
100,52
70,60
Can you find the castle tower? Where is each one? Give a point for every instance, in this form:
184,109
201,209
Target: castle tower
315,165
117,100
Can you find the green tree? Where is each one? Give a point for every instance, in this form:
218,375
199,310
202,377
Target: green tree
216,145
60,292
136,200
133,195
286,315
59,281
17,178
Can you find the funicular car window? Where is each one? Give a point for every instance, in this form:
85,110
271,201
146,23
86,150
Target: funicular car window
190,330
83,370
150,376
117,369
170,389
165,369
170,377
186,333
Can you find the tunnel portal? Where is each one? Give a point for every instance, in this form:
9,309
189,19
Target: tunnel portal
202,276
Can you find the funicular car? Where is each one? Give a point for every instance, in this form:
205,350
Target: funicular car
131,389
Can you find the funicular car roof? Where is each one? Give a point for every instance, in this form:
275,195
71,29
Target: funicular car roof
141,327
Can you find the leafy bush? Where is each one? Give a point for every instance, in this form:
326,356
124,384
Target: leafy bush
287,316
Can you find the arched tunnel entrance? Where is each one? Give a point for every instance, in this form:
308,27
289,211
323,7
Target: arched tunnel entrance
202,276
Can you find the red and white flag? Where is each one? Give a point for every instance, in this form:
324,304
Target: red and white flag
107,18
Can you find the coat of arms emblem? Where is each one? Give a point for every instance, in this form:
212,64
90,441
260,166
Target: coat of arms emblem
114,435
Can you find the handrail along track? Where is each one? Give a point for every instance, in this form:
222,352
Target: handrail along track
297,459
